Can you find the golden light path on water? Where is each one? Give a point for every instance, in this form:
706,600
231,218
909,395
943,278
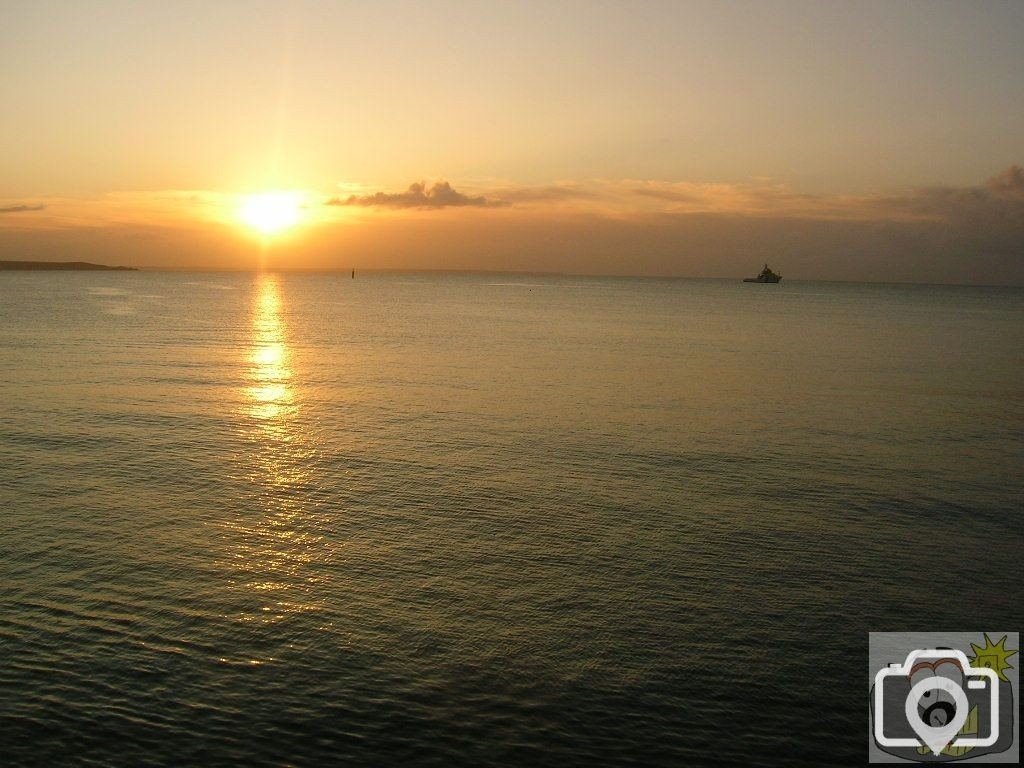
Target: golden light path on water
276,537
271,389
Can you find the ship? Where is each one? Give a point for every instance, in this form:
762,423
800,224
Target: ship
766,276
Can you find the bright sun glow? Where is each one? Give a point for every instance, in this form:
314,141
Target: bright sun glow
272,212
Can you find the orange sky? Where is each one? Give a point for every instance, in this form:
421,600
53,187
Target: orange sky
837,141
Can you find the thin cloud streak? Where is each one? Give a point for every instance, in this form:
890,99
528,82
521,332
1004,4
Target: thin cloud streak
552,193
1001,198
21,208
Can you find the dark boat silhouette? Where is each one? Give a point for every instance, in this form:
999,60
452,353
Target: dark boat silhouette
766,276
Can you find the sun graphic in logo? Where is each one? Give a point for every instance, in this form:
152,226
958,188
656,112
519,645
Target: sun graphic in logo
993,656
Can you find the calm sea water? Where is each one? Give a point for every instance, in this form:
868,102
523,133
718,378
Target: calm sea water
270,519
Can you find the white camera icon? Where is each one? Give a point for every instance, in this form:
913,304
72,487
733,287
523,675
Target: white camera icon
946,732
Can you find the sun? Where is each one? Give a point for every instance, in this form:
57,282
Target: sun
270,213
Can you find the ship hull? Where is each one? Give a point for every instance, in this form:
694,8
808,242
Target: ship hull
762,279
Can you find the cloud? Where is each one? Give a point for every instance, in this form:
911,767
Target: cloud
20,208
1008,183
674,195
998,202
419,195
552,193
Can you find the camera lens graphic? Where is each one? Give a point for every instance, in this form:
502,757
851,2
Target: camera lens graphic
936,709
939,713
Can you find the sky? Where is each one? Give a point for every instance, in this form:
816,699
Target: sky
848,141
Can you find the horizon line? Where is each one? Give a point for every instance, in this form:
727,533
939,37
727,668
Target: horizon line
533,273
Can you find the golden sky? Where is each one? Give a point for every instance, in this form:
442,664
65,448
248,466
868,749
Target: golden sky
836,140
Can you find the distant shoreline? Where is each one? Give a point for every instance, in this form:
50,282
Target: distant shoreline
81,266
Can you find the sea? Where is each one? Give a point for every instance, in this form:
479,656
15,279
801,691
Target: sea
299,519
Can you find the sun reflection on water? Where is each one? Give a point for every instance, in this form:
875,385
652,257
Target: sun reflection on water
276,543
270,389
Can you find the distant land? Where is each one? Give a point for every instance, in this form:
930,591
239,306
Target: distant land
76,265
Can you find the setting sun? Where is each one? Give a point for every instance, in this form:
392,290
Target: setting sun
271,212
